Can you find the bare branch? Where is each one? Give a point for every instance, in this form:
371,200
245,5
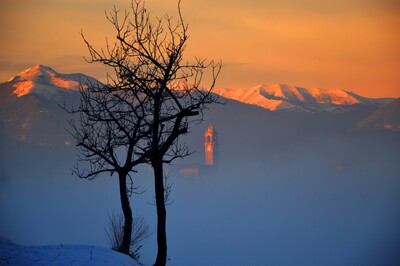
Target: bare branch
150,100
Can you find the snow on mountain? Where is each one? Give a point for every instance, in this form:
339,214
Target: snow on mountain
287,97
45,81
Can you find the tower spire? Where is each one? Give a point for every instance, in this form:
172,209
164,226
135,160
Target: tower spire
211,145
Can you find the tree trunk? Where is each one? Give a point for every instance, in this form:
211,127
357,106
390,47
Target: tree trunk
161,213
126,209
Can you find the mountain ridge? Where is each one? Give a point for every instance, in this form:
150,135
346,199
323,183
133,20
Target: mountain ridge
284,97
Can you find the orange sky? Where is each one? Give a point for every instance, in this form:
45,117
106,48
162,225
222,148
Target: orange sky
347,44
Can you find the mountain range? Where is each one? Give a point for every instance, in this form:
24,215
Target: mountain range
30,104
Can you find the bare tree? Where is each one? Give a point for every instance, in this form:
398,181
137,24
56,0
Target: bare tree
108,131
165,96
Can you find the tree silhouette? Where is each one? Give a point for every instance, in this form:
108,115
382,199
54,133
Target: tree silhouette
153,98
109,130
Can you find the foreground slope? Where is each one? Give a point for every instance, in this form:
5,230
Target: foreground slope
12,254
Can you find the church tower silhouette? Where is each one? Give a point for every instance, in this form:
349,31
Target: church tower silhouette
211,145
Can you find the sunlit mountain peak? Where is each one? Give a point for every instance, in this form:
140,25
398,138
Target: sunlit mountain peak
47,82
36,73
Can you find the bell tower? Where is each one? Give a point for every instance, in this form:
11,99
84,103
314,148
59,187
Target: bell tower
211,145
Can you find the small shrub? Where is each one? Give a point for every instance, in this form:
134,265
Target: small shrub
115,232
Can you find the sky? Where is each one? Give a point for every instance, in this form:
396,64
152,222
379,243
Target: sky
348,44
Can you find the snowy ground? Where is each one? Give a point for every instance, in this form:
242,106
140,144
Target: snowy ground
13,254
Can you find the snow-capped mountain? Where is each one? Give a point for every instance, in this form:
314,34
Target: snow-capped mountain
291,98
46,82
30,105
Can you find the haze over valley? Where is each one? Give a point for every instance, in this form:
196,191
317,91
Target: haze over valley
302,176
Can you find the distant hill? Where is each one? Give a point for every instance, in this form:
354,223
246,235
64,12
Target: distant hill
386,117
